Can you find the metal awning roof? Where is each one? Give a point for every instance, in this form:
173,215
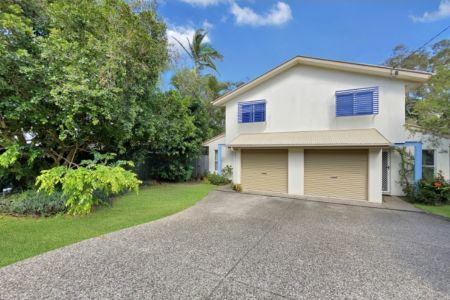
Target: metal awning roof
320,138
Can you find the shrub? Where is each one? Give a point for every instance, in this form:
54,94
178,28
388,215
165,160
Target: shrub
227,171
218,179
237,187
82,185
406,173
33,203
435,191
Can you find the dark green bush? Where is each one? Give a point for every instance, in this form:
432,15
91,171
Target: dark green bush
218,179
33,203
434,191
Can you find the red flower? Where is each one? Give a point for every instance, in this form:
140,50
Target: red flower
437,184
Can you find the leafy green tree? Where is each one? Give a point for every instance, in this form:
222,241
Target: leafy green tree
206,88
202,54
433,113
72,74
20,23
427,107
402,57
169,137
440,54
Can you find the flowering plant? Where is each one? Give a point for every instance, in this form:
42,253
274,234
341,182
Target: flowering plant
434,191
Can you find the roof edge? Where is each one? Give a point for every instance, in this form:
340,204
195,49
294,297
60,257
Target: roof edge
213,139
375,70
385,143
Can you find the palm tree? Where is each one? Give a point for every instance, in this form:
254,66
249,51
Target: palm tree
203,54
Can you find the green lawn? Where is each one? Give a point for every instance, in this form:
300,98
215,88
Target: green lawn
25,237
443,210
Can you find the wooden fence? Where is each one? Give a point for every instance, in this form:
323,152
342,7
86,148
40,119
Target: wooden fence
201,167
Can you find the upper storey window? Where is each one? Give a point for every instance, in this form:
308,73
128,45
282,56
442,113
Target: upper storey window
357,102
252,111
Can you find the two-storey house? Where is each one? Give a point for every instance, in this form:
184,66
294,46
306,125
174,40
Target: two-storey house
323,128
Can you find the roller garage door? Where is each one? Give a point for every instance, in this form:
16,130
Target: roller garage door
264,170
337,173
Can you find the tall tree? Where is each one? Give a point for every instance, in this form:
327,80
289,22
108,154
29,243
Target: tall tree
202,54
197,86
428,106
72,74
432,114
20,23
168,136
206,88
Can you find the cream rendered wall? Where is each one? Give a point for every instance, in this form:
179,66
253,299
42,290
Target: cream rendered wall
441,158
395,188
227,156
213,145
296,171
236,166
375,173
441,151
303,98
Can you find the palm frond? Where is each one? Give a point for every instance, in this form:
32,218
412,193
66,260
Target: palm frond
202,54
184,48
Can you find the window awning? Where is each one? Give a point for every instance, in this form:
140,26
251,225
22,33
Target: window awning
320,138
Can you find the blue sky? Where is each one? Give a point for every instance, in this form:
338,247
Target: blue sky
256,35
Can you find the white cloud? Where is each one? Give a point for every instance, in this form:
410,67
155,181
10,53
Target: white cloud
278,15
442,12
207,26
183,34
203,3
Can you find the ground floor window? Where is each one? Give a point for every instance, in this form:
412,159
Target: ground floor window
215,159
427,164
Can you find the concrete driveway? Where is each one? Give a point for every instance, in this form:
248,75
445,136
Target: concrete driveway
237,246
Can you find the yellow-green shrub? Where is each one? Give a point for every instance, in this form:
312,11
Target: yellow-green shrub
79,184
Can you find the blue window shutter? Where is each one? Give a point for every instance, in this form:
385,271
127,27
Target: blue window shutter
357,102
375,100
252,111
247,113
240,112
363,103
259,112
344,105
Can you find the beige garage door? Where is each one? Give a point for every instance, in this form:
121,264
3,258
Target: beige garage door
336,173
264,170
